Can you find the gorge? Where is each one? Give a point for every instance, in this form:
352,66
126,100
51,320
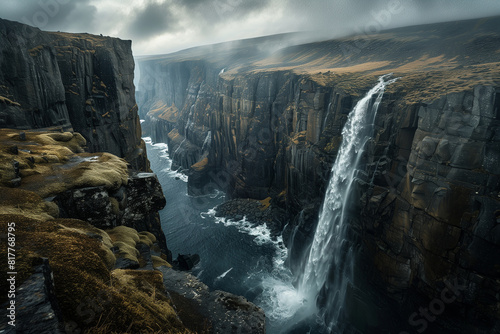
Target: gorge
78,201
265,124
346,186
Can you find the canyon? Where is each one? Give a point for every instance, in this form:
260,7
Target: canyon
262,120
86,249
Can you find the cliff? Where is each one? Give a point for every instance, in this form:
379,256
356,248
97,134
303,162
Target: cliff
76,82
82,87
79,199
258,123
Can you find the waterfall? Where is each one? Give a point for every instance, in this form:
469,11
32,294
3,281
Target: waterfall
330,262
187,127
207,141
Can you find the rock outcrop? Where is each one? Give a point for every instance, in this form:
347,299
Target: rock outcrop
95,187
208,311
81,87
135,204
270,126
76,189
84,288
40,312
77,82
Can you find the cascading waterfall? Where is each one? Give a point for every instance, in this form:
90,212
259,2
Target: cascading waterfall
332,250
187,127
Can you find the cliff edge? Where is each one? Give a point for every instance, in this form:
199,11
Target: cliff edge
261,123
78,202
76,82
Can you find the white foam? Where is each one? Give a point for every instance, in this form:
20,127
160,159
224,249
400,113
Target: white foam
164,155
209,213
279,299
93,158
221,276
261,233
161,146
176,174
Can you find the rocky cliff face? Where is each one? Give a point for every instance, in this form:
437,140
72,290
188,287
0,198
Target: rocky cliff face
82,83
77,82
429,201
76,189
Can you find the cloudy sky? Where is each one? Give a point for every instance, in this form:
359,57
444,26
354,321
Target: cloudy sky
163,26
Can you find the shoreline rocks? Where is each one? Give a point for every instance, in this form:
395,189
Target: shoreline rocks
255,211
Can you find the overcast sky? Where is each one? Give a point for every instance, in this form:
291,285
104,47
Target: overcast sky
163,26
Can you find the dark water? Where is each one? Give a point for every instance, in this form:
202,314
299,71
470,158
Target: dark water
235,257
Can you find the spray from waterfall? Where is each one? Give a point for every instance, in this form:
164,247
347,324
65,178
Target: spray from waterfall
328,268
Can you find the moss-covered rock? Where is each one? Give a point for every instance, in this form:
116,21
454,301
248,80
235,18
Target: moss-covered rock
93,297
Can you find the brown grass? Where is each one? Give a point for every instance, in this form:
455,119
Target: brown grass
168,113
92,297
5,100
200,165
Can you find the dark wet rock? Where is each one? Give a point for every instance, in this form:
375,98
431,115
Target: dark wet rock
92,205
124,263
202,310
144,198
16,182
186,261
13,149
135,205
146,263
87,85
425,203
37,307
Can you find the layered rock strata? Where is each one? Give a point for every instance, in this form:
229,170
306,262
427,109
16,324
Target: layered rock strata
75,184
77,82
429,196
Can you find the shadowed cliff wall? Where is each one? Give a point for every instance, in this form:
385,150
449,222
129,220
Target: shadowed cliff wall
77,82
429,196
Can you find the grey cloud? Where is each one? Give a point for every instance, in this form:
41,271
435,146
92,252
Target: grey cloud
152,20
342,17
204,21
218,11
51,14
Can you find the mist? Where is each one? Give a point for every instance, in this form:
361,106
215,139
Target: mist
164,26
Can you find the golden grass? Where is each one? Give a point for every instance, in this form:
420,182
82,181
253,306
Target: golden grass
38,153
147,238
5,100
18,201
125,239
94,40
426,63
168,113
119,301
100,169
92,297
265,203
200,165
158,262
